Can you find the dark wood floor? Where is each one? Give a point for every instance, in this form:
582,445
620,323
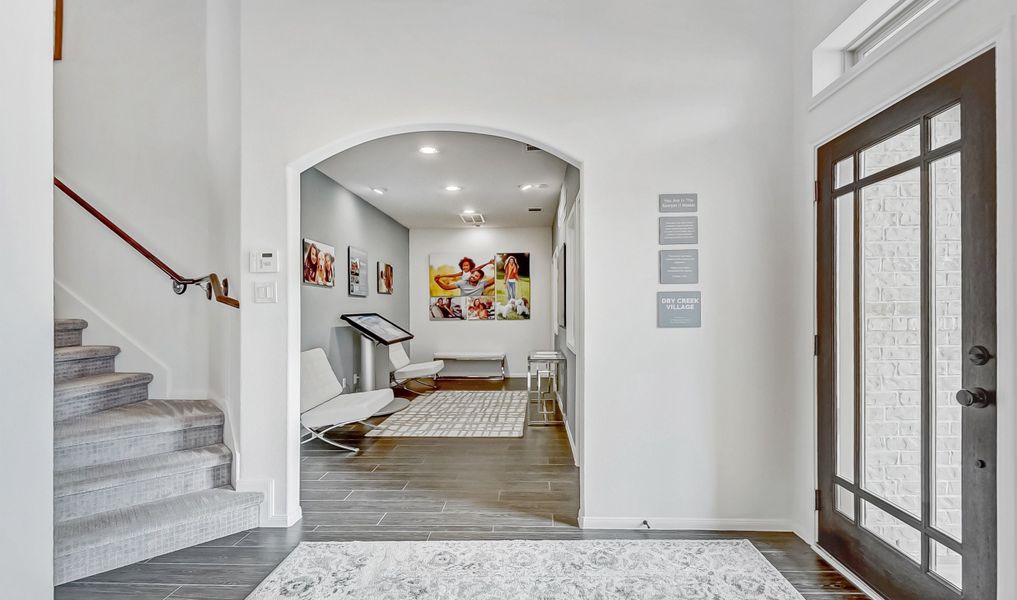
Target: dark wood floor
422,489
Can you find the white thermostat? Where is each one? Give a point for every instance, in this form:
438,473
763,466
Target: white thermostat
264,261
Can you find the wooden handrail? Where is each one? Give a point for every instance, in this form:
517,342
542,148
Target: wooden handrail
214,288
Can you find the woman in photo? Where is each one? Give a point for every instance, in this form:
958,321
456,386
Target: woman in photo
388,276
511,276
329,269
311,264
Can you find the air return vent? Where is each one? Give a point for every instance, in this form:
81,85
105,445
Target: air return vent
534,209
532,148
472,219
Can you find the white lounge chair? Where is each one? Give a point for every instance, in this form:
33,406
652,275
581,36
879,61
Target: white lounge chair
323,406
404,371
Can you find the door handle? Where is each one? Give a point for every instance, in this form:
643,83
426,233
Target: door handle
974,398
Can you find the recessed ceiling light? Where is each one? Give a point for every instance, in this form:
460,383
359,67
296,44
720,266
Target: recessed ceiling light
468,211
526,187
453,188
428,150
532,186
379,190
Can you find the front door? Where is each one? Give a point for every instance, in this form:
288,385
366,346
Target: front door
907,342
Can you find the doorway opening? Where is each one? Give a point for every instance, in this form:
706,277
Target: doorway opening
459,242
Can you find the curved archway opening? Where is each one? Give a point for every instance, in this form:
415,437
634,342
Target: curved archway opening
565,213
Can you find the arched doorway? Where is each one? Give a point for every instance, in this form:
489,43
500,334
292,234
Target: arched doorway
293,210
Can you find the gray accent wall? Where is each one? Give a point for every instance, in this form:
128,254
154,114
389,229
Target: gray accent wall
331,214
571,184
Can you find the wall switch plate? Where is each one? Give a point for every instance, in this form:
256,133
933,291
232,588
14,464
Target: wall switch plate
265,292
264,261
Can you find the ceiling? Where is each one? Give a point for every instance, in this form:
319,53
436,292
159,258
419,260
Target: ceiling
490,170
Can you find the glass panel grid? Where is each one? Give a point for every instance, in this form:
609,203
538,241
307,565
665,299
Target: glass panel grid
946,352
946,563
893,531
891,151
891,341
945,127
845,277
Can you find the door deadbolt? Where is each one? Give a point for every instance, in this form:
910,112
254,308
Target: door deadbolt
979,355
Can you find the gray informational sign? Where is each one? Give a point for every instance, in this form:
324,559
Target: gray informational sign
679,203
679,309
679,230
679,266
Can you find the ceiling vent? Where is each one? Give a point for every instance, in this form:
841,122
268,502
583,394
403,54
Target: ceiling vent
472,219
534,209
532,148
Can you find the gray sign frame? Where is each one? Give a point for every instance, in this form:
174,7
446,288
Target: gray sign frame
681,310
678,230
679,266
687,202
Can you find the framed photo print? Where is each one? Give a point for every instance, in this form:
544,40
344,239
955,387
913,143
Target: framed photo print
385,278
358,272
319,264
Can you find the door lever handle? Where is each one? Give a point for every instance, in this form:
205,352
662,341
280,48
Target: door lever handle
974,398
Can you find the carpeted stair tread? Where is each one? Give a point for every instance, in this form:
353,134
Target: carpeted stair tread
133,471
69,324
140,418
116,526
83,353
96,383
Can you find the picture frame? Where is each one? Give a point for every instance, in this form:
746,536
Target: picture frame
386,278
318,264
357,271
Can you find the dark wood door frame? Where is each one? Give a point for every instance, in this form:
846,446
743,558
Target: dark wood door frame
881,566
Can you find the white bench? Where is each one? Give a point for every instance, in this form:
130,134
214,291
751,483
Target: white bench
454,357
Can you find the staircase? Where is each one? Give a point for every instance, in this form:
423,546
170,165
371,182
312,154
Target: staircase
134,478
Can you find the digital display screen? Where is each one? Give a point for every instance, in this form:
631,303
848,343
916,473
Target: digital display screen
377,328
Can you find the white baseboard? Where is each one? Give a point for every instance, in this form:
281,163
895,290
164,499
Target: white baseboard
679,524
268,516
287,520
572,441
847,573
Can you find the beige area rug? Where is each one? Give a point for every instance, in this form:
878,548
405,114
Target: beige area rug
527,570
459,414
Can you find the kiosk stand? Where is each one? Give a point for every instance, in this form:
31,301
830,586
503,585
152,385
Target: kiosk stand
375,329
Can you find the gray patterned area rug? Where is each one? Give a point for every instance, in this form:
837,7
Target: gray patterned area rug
544,570
459,414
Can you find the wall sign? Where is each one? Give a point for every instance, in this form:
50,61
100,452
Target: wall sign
679,266
679,309
678,203
678,230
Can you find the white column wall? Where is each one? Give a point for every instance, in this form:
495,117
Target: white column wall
26,324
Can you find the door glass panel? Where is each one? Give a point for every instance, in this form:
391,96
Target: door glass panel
946,563
946,349
891,332
893,531
846,338
845,502
945,127
845,172
891,151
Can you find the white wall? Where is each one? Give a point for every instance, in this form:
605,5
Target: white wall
966,28
331,214
131,136
649,97
515,338
26,325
